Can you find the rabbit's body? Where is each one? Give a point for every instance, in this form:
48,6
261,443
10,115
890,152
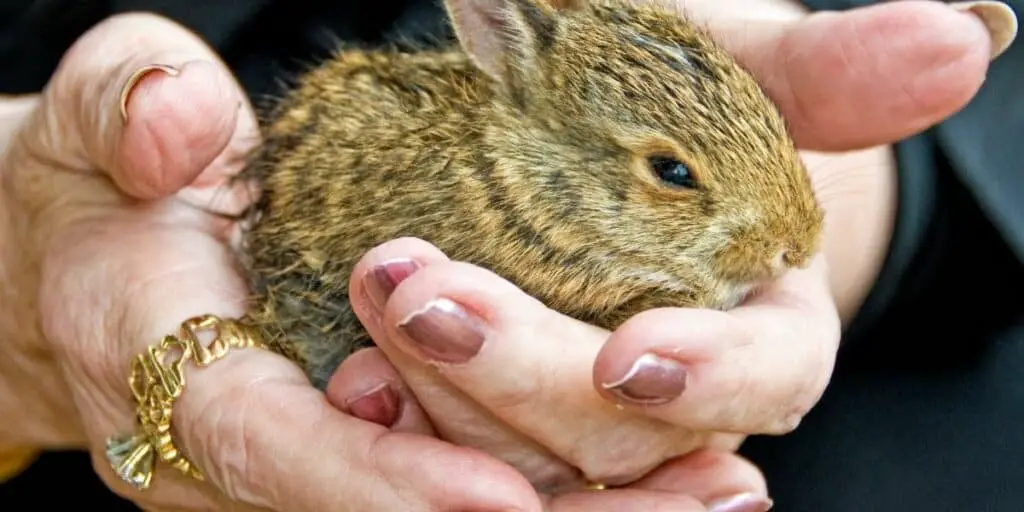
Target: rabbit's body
549,171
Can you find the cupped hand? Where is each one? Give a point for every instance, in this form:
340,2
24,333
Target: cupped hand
566,402
115,233
118,210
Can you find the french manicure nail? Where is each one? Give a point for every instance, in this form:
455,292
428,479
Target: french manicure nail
651,380
381,280
135,78
747,502
379,405
999,20
444,331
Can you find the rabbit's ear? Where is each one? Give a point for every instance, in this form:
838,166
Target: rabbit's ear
503,35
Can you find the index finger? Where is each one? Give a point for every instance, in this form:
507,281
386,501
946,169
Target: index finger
146,101
756,369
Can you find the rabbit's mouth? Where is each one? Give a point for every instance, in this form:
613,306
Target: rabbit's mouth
732,294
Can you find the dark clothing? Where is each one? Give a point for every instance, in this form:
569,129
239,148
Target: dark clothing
926,410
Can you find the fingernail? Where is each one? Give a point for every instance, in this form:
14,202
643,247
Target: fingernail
651,380
381,280
444,331
135,78
999,20
747,502
379,405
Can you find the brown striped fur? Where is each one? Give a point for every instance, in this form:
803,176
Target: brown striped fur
527,157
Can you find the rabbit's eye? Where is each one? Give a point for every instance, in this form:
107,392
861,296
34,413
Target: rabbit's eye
672,171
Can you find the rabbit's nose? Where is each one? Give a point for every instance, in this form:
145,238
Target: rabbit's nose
792,258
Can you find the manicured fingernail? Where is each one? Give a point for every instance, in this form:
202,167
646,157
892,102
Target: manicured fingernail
651,380
381,280
445,331
747,502
135,78
379,405
999,20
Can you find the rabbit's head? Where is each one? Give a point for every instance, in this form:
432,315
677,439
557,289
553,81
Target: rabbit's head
630,132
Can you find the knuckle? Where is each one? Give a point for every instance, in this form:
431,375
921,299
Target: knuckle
614,473
801,397
786,424
788,412
806,392
517,393
805,384
625,454
607,469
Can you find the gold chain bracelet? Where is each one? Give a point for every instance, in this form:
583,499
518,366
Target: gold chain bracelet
157,379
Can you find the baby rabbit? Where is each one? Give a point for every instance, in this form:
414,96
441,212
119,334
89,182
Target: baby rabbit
605,157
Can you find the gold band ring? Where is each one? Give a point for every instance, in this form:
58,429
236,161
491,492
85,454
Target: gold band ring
134,79
157,379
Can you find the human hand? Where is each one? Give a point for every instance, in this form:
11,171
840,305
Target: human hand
540,392
115,232
102,271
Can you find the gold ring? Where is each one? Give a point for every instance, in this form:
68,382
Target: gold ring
135,78
596,486
157,379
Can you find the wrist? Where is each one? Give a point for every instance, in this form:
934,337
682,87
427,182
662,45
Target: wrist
13,275
34,397
15,457
17,310
12,341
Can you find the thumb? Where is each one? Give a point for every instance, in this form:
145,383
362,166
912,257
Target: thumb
145,101
869,75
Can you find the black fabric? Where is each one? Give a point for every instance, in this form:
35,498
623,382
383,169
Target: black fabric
925,410
982,143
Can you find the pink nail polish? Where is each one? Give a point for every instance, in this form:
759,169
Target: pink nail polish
747,502
445,331
381,280
379,405
652,380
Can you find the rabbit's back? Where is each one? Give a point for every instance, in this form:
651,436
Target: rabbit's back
365,149
374,146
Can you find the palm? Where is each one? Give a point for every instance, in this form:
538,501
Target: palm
120,252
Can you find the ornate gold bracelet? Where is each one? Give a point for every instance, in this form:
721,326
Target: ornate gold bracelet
157,379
